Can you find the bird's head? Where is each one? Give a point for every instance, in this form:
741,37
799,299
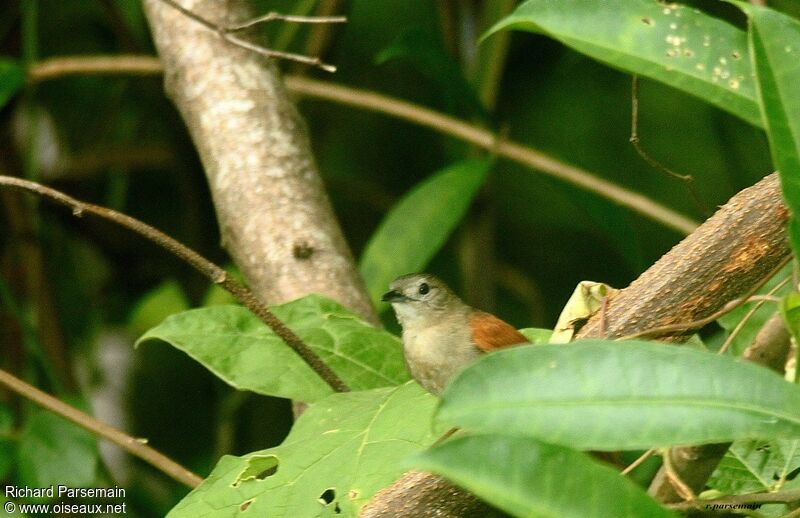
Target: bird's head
420,296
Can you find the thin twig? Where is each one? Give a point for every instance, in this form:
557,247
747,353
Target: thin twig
87,65
778,497
225,34
638,462
213,272
273,16
736,330
687,179
695,324
373,101
130,444
680,486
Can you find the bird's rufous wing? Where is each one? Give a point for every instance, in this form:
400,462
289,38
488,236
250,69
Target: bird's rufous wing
490,333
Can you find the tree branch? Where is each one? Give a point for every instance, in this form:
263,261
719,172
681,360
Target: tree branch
274,214
210,270
373,101
130,444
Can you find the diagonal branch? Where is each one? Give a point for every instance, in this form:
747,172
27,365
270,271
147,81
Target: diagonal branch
414,113
210,270
130,444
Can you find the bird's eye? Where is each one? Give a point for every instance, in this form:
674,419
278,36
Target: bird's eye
424,288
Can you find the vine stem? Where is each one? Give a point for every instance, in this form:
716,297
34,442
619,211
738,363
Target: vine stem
216,274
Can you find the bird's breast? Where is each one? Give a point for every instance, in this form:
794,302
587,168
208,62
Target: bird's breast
436,353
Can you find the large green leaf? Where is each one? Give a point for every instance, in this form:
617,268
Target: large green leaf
12,78
341,450
775,50
419,224
246,354
621,395
526,477
669,42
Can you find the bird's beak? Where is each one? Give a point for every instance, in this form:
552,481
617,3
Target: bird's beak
394,296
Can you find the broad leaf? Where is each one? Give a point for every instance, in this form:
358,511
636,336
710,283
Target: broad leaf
417,227
669,42
242,351
340,452
775,50
621,396
526,477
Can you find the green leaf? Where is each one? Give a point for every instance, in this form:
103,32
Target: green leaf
349,445
526,477
621,396
242,351
775,50
752,466
672,43
12,78
156,305
54,451
536,335
432,209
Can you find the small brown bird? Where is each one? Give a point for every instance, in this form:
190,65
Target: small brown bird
442,334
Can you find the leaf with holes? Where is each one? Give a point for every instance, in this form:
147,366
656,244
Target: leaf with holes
752,466
242,351
604,395
340,452
675,44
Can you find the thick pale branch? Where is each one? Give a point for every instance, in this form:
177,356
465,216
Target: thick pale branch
274,215
722,260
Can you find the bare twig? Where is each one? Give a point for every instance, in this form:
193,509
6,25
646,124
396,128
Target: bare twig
687,179
87,65
779,497
373,101
736,330
213,272
638,462
679,485
225,33
273,16
130,444
695,324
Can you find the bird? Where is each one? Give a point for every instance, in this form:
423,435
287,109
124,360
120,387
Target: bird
441,333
